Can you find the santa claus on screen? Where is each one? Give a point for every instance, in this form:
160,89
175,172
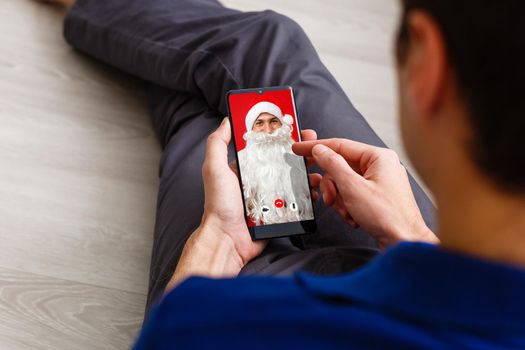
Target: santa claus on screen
274,178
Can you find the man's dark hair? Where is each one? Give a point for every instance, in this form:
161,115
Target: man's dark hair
485,41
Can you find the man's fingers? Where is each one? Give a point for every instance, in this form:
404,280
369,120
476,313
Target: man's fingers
310,161
345,147
315,179
352,151
308,135
340,207
329,191
217,145
333,164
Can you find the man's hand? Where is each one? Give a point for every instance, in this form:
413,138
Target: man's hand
221,245
368,187
223,207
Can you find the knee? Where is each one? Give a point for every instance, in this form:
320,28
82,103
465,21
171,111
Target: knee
273,19
276,23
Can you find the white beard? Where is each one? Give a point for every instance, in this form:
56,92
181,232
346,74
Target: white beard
271,171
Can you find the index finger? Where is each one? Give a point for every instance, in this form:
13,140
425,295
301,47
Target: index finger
352,151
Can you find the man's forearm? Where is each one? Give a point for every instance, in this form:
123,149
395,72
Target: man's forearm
208,253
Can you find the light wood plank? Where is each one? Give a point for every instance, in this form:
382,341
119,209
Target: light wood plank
38,312
78,159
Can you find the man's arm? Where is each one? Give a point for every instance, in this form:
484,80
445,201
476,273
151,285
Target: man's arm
208,252
221,245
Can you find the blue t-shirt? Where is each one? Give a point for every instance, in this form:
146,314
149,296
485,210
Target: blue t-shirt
414,296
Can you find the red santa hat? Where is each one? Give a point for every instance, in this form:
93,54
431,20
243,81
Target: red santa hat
266,107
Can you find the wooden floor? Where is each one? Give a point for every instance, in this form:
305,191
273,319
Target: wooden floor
79,161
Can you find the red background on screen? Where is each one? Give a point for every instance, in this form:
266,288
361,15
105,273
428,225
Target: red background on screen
240,104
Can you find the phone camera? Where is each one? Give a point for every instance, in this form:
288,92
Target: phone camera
260,92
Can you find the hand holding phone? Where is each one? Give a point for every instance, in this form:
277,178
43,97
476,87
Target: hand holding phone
274,181
221,245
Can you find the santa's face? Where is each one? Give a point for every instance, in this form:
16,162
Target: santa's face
266,123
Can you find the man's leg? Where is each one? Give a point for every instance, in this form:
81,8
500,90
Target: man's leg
201,49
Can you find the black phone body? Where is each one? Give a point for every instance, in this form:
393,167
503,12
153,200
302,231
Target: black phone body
274,182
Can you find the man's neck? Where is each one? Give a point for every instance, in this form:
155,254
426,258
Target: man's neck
477,219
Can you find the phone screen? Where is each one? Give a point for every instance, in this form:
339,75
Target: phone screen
274,180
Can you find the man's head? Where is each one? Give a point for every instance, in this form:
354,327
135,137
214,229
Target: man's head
461,76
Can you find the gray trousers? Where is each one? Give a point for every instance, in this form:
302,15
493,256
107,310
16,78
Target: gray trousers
189,53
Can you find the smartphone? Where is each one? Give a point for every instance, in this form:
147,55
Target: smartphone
274,181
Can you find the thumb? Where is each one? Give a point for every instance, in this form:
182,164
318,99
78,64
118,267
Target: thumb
217,146
333,164
224,130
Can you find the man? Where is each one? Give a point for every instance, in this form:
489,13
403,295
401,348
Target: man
461,71
270,170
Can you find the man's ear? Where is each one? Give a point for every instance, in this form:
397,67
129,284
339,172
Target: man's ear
426,62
